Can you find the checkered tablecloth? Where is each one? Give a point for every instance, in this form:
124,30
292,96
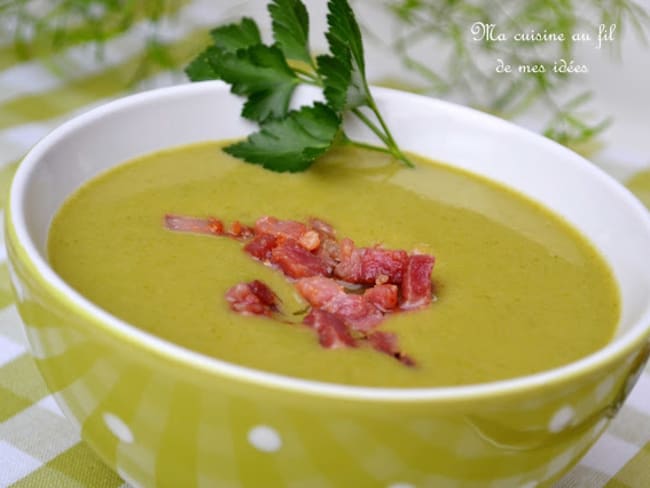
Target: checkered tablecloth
38,445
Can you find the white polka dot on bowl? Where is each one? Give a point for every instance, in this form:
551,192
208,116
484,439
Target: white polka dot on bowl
265,438
561,419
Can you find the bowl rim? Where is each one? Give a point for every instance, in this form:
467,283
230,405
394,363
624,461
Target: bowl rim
40,270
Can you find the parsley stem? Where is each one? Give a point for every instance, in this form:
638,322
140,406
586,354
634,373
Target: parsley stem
390,142
371,125
308,76
369,147
384,136
310,81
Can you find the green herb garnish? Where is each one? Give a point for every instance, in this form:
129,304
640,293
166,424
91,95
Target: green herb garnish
290,140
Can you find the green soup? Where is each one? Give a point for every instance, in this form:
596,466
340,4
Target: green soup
518,290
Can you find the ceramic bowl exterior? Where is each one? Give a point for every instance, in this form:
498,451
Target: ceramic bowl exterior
162,415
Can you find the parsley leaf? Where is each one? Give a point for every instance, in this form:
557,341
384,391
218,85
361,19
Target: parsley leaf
344,29
291,28
232,37
344,76
290,144
261,73
344,71
336,75
253,69
202,67
292,140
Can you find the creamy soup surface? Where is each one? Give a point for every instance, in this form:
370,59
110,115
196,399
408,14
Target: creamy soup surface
517,290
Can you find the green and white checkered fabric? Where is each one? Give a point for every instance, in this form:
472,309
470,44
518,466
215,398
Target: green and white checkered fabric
38,445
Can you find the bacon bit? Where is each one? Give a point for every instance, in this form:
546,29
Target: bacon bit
332,332
367,265
416,288
328,249
349,267
356,311
264,293
323,228
318,290
344,312
261,246
329,252
295,261
328,295
180,223
384,296
254,298
383,264
310,240
386,342
240,231
289,229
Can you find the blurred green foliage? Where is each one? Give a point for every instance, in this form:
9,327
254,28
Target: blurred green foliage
460,67
464,67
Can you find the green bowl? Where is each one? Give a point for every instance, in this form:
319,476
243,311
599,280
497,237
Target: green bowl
163,415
